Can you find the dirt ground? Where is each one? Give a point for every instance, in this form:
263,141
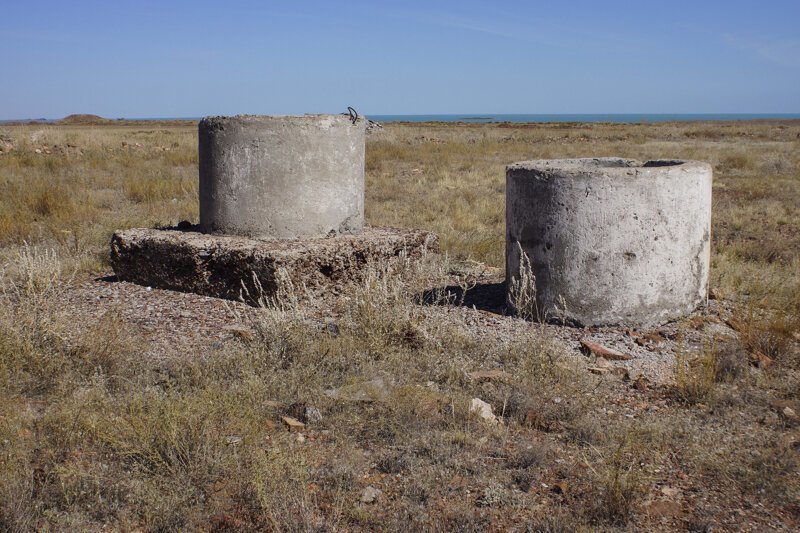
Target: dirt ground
402,402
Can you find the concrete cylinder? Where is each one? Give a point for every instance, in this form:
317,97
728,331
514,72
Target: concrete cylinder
611,241
281,177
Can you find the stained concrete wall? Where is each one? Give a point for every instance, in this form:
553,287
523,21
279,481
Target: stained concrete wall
620,241
281,177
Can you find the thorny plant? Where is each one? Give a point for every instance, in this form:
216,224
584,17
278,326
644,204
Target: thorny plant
37,276
522,290
280,313
695,378
284,299
441,272
383,303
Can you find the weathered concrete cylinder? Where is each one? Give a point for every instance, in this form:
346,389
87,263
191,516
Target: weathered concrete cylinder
611,241
281,177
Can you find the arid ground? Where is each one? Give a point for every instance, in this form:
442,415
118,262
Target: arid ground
137,409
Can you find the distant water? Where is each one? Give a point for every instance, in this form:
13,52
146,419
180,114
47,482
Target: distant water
631,118
616,118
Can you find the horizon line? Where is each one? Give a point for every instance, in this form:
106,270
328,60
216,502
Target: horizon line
472,115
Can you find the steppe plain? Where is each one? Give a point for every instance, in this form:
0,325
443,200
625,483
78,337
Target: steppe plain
131,408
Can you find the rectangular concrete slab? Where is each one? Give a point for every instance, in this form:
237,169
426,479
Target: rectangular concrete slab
217,265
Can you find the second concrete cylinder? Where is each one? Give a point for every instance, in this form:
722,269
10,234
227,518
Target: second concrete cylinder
610,240
281,177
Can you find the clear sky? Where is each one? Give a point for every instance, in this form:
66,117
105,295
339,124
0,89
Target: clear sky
195,58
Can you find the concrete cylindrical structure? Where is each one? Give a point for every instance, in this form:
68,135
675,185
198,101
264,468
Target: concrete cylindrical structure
281,177
611,241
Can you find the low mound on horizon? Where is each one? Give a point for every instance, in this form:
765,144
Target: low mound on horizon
83,119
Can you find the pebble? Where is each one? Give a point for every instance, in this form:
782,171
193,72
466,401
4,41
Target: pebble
293,424
312,415
482,409
370,495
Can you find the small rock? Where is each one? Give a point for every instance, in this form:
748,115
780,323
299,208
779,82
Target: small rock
233,439
307,414
641,384
648,339
598,350
293,424
483,409
312,415
332,328
621,372
760,360
787,409
239,331
370,495
368,391
670,492
598,370
301,438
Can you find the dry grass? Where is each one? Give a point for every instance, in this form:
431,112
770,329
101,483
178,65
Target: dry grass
92,436
86,181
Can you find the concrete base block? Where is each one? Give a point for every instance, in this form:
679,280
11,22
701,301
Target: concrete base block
218,265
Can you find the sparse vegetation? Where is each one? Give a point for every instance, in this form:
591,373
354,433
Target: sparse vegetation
95,435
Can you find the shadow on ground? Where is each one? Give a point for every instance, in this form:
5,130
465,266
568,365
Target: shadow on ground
489,297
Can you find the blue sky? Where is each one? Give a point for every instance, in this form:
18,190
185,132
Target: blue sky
173,59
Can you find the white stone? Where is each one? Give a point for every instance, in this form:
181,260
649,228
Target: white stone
370,495
482,409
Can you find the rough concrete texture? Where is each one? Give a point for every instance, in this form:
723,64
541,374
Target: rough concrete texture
216,265
281,177
621,241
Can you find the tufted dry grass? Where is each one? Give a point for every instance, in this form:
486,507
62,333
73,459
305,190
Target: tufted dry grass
93,437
